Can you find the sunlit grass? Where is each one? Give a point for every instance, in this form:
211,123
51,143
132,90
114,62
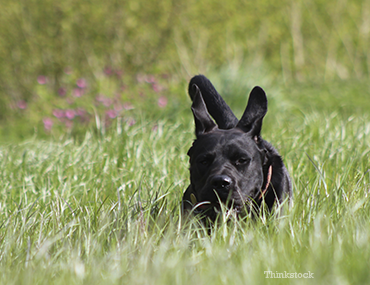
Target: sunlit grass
95,126
105,208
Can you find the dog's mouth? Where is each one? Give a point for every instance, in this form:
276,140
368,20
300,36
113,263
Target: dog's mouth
205,205
211,208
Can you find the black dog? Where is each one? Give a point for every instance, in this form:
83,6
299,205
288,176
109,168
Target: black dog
230,162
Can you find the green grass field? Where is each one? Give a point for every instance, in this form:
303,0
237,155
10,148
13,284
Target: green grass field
104,209
95,124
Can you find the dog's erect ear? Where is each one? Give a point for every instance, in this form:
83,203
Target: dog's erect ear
251,120
216,106
203,122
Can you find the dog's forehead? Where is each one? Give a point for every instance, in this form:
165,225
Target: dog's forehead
223,140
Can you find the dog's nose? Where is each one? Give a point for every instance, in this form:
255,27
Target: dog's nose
221,182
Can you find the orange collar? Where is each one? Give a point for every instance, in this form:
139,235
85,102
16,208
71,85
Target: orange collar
269,174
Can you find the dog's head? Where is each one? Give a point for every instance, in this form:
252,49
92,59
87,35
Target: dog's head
227,165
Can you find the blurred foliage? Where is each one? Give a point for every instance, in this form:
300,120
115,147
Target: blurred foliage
69,40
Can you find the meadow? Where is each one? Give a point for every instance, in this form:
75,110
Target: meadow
96,123
105,208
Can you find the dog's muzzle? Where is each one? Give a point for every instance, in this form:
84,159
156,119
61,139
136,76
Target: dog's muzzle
222,184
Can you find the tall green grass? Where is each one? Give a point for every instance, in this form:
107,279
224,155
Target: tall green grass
99,203
105,208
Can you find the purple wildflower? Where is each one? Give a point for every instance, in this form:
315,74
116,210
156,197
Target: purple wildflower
118,107
155,128
21,104
150,79
107,102
70,114
81,83
42,79
156,87
111,113
131,122
48,123
81,112
62,91
77,92
58,113
128,106
162,101
99,98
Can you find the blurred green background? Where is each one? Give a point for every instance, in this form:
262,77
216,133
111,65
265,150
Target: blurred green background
71,65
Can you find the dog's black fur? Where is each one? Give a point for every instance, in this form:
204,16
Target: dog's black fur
230,162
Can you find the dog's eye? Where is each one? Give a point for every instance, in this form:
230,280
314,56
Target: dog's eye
242,161
205,160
